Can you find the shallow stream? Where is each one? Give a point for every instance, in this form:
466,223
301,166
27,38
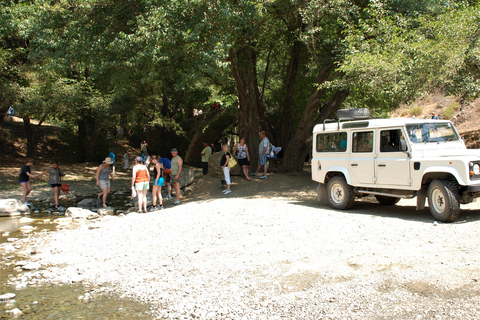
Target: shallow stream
49,301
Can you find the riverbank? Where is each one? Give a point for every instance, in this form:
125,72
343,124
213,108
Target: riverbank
268,250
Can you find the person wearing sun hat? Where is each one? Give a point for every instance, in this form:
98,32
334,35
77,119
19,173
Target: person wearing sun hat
177,164
104,173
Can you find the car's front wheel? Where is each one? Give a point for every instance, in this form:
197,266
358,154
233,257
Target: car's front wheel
443,200
340,194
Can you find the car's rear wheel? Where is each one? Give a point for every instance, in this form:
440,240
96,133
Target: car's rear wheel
387,201
443,200
340,194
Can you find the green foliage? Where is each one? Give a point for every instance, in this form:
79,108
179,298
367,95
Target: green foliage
451,110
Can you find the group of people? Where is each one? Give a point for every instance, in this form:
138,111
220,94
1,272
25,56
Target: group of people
165,172
54,180
243,156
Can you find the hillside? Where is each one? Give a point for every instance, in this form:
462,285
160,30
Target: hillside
464,115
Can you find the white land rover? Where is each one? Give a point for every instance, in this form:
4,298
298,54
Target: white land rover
393,159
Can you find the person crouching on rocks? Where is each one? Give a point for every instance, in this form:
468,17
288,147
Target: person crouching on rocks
104,172
141,183
54,180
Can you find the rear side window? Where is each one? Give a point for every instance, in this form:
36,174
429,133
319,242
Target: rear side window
331,142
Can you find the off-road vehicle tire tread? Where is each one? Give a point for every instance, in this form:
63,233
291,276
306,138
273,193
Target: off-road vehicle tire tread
349,197
452,206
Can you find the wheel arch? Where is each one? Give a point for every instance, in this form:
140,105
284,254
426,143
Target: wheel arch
450,174
338,171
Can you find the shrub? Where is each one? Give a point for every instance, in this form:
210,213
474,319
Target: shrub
416,111
451,110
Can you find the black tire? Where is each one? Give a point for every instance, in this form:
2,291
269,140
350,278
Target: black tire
443,200
387,201
340,194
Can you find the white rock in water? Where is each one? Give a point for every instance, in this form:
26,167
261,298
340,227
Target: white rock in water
63,220
12,239
31,266
15,312
26,229
7,296
25,220
21,263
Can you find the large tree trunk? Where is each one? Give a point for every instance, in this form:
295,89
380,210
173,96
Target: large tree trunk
29,133
295,153
87,137
243,64
291,77
213,129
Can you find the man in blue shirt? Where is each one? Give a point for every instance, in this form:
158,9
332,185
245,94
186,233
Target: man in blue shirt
167,170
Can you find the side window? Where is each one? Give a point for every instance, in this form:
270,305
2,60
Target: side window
331,142
362,141
390,140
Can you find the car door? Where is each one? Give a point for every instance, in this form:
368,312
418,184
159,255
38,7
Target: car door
362,162
392,166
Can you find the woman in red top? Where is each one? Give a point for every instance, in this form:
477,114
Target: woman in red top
141,179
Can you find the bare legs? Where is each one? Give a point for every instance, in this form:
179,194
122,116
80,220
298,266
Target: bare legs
169,190
142,200
176,185
157,192
27,188
56,195
265,168
245,172
104,192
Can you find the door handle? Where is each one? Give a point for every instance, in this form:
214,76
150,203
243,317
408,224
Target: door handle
382,165
354,164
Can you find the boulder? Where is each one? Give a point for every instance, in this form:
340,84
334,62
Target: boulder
89,203
215,170
12,207
187,176
80,213
106,211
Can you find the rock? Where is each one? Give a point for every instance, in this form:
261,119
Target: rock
215,170
79,213
13,207
106,211
15,312
32,266
7,296
187,176
89,203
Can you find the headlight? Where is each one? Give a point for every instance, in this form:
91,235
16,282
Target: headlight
476,168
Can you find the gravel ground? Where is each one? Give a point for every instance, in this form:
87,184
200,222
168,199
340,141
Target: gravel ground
273,256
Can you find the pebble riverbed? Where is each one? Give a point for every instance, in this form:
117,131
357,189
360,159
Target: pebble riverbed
255,259
251,259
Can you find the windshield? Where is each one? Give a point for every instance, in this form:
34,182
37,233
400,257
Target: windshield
432,132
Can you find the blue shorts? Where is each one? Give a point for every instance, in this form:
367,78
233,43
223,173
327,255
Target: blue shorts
158,182
263,159
23,181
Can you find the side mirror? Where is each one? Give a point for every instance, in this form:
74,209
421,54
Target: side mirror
403,145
